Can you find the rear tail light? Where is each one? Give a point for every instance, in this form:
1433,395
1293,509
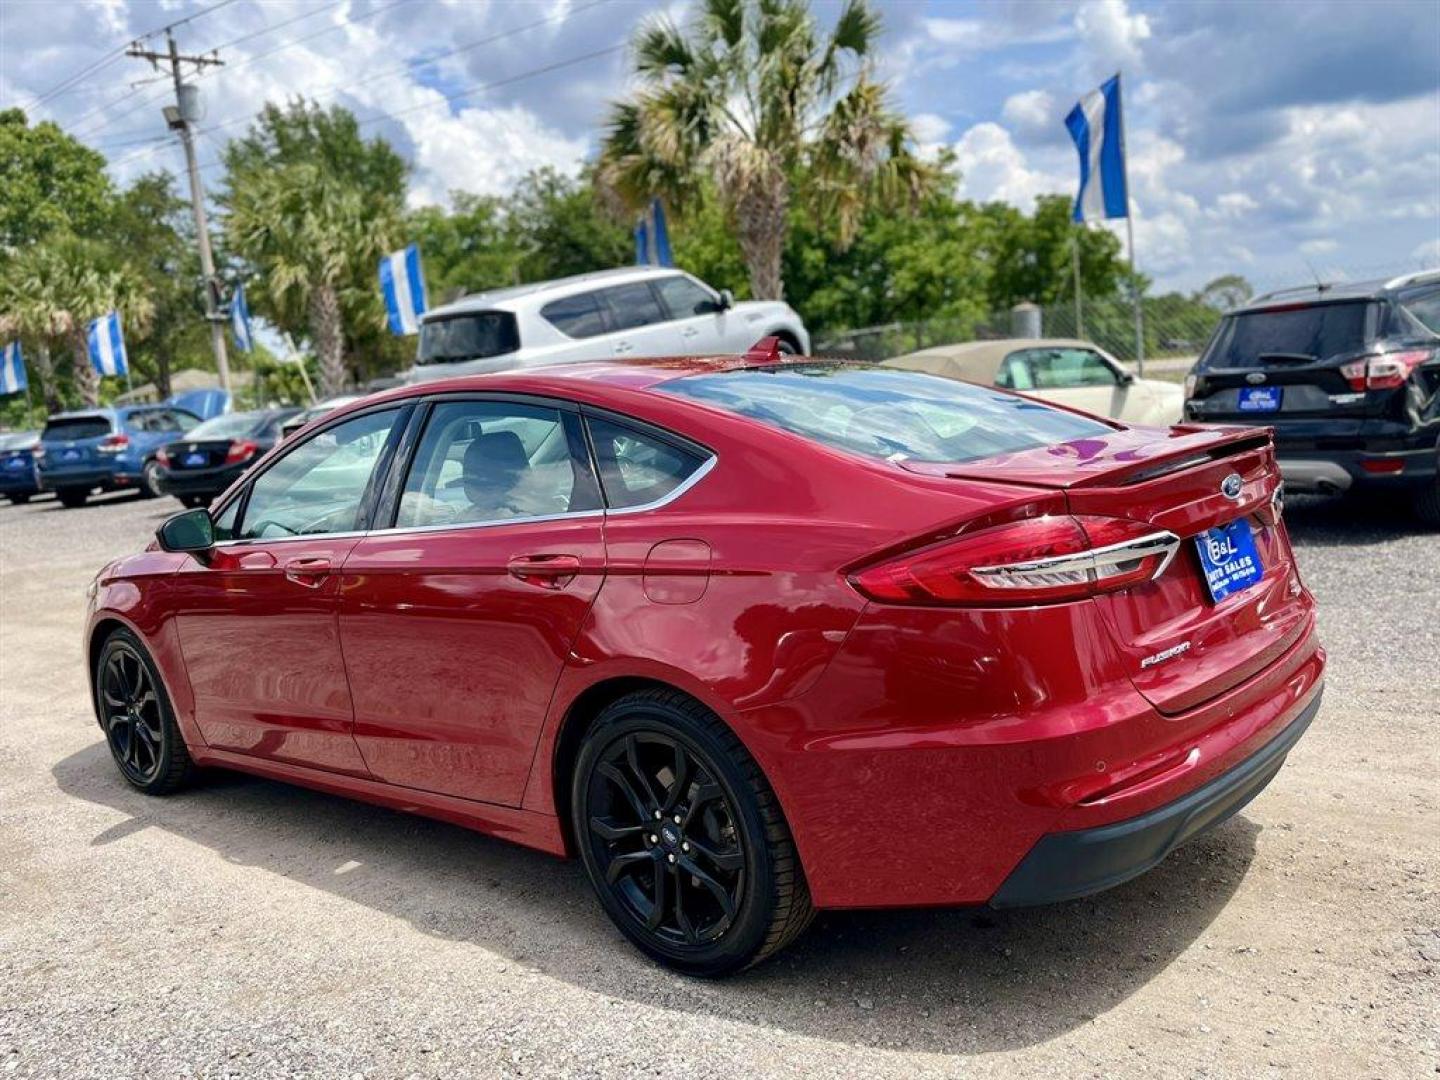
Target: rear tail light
38,452
114,444
1026,562
241,450
163,457
1384,372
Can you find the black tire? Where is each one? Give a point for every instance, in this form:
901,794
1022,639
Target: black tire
193,501
137,718
72,497
19,498
750,899
787,346
1427,503
150,480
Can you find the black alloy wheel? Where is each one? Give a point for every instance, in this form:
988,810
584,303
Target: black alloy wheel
136,716
683,839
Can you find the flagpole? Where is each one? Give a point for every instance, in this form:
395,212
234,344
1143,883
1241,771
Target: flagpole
1130,236
1075,260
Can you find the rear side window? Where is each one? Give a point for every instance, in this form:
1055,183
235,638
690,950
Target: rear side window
887,414
475,335
1423,305
637,468
77,427
632,306
578,316
1294,335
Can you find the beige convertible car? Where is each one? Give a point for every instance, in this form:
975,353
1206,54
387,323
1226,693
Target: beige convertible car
1070,372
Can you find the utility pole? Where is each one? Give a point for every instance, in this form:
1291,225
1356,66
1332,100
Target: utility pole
180,116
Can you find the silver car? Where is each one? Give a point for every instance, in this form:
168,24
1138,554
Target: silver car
634,312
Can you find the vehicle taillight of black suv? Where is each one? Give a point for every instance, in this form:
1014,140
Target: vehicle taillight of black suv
1348,376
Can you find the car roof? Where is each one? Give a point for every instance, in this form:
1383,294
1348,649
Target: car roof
554,288
1323,292
977,360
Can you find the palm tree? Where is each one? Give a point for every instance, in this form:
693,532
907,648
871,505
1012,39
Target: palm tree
53,289
313,237
751,102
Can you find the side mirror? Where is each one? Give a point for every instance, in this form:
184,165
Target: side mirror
189,530
727,299
1126,378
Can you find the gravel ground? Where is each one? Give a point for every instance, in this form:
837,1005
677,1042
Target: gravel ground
249,928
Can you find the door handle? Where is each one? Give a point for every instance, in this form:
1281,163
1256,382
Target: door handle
309,571
546,571
624,347
689,331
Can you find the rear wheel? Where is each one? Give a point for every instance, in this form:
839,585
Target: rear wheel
19,498
150,480
1427,503
139,723
72,497
683,839
193,501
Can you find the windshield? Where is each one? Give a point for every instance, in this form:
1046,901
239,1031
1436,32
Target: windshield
1289,335
229,426
472,336
77,427
887,414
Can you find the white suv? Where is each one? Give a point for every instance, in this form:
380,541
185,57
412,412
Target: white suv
634,312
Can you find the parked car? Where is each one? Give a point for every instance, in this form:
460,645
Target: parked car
1064,370
18,480
212,456
749,638
634,312
107,449
299,419
1348,376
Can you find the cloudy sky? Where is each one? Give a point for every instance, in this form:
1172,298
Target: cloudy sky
1265,137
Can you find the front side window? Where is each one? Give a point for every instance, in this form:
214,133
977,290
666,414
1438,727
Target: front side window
579,316
1058,369
487,461
319,487
632,306
476,335
887,414
684,298
637,468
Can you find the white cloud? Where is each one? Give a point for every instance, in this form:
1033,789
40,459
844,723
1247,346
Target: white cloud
1321,246
1032,112
992,168
1111,36
1428,253
929,128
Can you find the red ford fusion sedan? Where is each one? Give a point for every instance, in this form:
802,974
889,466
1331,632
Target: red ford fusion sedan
749,636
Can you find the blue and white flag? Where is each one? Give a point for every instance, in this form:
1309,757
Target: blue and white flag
107,345
403,286
1097,128
12,370
652,239
240,320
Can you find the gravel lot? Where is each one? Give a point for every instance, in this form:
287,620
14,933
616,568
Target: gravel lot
250,928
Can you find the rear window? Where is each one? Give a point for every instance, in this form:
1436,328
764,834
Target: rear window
475,335
887,414
1290,335
578,316
230,426
77,427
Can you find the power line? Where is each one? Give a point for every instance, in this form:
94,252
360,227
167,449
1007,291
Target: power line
116,53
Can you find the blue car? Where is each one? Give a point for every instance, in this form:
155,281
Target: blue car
17,466
107,449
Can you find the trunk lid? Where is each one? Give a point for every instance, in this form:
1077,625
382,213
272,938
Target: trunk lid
198,454
1181,648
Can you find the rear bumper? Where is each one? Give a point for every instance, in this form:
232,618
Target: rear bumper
1333,471
18,483
109,479
1067,865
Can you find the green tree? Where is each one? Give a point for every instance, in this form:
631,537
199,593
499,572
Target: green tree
754,101
311,207
1030,254
468,248
561,227
52,290
1225,292
50,183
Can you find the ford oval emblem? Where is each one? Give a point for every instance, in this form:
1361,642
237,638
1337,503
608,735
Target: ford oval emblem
1231,486
1255,378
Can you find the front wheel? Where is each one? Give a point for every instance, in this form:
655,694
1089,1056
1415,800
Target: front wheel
137,718
682,838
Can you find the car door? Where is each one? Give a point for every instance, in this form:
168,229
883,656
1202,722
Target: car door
257,617
639,325
698,316
456,620
1070,375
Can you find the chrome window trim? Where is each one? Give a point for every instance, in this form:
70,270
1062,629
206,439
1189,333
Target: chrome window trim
396,530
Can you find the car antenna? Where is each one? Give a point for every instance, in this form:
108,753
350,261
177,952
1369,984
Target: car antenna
1320,286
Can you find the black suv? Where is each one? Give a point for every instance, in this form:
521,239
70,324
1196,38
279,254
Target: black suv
1347,375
